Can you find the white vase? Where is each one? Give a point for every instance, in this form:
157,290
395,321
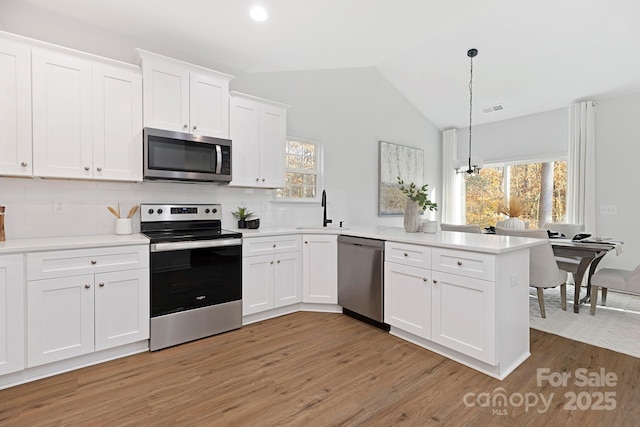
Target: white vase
429,226
513,223
412,217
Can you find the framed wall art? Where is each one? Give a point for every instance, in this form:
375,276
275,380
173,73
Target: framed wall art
397,161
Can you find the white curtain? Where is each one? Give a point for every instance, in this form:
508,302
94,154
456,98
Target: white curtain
581,179
451,208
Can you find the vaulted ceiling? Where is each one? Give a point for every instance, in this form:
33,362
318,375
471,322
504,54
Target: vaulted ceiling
534,55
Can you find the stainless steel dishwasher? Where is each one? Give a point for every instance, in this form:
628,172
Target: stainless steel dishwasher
360,278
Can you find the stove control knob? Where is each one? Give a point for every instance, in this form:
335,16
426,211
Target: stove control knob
214,210
159,211
206,210
150,211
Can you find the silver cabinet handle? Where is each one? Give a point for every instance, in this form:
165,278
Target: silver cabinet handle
435,281
278,261
94,262
262,179
195,127
87,168
306,243
23,164
406,254
271,263
274,245
459,262
99,169
257,179
424,279
101,285
87,286
185,126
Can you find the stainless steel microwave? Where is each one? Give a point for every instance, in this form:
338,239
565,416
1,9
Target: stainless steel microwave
170,155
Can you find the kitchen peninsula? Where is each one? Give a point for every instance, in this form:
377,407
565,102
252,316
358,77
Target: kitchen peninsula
462,295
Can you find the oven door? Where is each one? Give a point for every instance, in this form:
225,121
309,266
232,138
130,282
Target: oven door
188,275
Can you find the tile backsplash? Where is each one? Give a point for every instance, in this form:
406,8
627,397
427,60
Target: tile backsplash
30,204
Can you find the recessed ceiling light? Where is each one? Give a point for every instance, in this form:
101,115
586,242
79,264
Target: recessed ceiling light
258,14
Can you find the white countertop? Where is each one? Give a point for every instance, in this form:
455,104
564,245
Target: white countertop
487,243
73,242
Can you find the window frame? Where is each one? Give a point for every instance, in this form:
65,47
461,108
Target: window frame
319,172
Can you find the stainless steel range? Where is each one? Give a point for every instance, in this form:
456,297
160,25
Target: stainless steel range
196,273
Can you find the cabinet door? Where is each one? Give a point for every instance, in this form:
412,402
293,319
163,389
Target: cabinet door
59,319
11,313
320,269
15,109
166,96
245,134
257,284
62,117
117,123
407,298
272,145
209,105
288,279
464,315
121,308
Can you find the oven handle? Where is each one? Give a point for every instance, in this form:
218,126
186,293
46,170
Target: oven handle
178,246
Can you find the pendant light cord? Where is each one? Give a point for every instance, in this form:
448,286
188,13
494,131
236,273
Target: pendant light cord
470,108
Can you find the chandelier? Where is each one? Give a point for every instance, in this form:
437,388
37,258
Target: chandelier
471,168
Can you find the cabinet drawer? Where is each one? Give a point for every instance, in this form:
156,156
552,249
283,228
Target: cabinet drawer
271,245
462,263
402,253
46,265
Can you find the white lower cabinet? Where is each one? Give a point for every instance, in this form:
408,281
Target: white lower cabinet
455,311
407,298
271,280
71,312
11,313
464,315
320,269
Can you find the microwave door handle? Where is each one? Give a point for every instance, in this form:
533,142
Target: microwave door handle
218,159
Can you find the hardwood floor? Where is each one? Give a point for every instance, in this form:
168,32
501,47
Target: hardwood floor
323,369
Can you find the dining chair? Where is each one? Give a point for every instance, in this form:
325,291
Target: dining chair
613,278
569,264
543,269
467,228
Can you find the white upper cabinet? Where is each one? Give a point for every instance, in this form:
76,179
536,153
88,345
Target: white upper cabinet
117,123
15,108
87,118
183,97
62,137
258,130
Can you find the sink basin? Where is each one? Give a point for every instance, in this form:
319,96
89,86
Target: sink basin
319,227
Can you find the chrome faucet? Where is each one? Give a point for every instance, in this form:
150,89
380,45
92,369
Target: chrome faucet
325,221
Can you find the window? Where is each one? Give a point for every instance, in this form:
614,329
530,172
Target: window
540,187
302,163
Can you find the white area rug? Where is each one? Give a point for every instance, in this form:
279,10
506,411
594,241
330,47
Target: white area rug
615,326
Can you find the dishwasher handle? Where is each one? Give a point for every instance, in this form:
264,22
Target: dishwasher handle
360,241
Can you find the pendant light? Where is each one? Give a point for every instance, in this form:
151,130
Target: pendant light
475,168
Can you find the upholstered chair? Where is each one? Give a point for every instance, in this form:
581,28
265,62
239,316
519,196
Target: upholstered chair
543,269
613,278
468,228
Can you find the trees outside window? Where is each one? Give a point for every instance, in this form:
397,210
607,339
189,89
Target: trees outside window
541,188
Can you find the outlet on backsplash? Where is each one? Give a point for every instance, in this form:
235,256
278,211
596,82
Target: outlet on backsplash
59,207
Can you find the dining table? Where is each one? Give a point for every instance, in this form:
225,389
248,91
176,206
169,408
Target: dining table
589,252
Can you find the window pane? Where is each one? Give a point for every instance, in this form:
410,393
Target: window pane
295,148
294,162
310,150
309,179
540,187
309,191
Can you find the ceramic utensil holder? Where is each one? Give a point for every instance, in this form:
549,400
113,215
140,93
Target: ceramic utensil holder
123,226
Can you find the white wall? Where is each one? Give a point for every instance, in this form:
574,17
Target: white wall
617,154
537,136
348,110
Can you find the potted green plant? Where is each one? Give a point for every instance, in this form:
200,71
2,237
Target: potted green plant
242,215
417,202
